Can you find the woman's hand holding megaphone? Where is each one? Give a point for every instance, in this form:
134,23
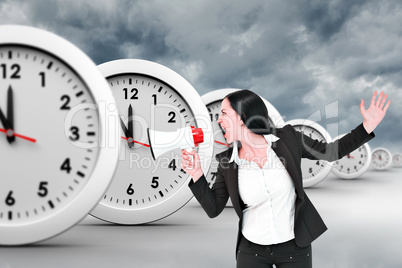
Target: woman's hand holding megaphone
191,167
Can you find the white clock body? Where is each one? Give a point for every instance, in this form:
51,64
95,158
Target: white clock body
381,158
353,164
143,189
397,160
56,159
213,102
313,171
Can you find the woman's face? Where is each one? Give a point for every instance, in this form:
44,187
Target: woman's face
230,122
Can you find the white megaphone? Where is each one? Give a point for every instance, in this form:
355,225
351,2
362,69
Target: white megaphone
186,138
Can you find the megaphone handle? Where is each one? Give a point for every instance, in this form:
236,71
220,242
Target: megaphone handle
189,149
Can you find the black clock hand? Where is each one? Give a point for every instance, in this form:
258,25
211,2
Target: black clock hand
130,121
126,133
6,125
10,111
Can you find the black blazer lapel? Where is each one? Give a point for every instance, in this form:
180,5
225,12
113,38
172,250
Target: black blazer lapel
287,160
231,179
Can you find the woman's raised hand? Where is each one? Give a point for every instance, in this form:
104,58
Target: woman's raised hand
375,113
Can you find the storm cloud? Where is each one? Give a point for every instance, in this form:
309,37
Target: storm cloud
299,55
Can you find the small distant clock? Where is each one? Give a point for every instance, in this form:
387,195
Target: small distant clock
397,160
213,102
55,157
354,164
150,95
381,158
313,171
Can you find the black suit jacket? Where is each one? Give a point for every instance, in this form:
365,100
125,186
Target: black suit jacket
291,147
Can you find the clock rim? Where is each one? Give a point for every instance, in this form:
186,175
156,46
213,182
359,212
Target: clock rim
84,68
356,174
187,92
325,171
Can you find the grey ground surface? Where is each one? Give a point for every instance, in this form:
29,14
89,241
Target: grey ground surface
363,216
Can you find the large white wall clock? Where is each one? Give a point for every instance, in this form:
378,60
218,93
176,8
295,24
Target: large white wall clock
213,102
381,158
313,171
152,96
353,164
55,157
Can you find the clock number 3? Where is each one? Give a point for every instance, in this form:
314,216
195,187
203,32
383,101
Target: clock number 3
75,133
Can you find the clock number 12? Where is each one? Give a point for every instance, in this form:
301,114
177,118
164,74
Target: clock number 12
15,68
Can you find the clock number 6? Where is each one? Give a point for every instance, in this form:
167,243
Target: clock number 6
130,190
10,200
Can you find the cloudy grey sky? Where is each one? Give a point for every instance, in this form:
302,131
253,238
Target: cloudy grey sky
299,55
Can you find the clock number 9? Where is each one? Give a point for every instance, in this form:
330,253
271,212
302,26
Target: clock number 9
15,67
134,96
9,199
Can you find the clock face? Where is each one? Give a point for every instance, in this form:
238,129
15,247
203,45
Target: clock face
381,159
313,171
50,133
144,189
354,164
43,184
397,159
213,101
140,181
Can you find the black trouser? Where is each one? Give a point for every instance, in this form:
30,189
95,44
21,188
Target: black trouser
283,255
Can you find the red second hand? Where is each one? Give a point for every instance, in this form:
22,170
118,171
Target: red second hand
143,144
222,143
19,136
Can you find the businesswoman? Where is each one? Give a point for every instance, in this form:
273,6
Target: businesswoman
262,176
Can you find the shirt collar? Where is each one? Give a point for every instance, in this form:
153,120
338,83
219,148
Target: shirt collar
270,138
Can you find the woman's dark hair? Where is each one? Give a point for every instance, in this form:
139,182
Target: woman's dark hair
252,111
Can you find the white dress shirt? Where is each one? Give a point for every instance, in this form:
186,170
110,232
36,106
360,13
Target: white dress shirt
269,194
